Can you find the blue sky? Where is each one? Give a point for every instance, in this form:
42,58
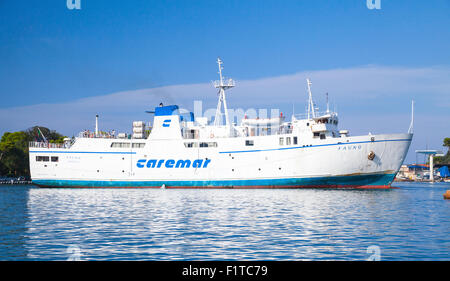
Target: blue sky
54,56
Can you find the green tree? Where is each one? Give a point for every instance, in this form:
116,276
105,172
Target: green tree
444,159
447,144
14,154
34,134
3,169
14,158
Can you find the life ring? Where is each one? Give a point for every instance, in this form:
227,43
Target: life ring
371,155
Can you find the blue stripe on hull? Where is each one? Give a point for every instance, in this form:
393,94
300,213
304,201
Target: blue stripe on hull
339,181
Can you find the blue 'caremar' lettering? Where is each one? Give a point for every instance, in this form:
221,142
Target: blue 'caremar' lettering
140,163
171,163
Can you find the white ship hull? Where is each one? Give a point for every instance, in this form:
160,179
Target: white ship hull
338,162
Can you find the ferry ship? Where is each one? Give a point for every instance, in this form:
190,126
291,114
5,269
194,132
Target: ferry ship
181,151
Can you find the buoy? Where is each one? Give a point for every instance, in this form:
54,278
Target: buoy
447,194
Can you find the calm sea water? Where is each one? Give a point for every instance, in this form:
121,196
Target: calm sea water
408,223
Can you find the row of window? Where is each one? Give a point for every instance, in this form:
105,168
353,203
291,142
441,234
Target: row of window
288,140
322,136
46,158
201,144
283,140
335,122
127,145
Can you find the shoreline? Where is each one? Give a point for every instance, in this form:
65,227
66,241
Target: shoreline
13,182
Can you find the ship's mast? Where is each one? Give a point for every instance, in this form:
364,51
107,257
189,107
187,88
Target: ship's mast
311,108
222,85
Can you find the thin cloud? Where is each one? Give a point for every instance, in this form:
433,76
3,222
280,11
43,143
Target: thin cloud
381,90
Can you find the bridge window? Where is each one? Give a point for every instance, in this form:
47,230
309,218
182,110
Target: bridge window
322,136
249,142
54,158
288,141
295,140
281,141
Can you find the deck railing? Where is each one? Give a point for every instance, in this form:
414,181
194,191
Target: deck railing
38,144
